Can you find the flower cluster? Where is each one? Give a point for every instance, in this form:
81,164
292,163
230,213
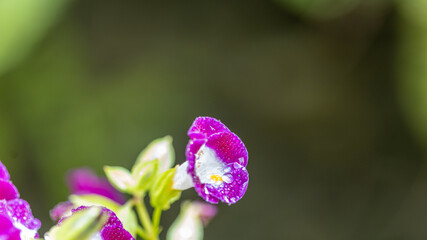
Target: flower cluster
16,220
97,209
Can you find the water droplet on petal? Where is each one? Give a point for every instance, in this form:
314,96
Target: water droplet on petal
227,178
236,165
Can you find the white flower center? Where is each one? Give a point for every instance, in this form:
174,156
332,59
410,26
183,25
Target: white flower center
209,168
182,180
26,234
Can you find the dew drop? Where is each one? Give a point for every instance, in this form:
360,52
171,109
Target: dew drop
227,178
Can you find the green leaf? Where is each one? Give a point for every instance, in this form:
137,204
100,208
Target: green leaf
144,174
82,225
161,149
187,224
128,218
94,200
120,178
161,193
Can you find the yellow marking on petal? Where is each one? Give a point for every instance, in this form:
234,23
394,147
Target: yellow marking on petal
216,178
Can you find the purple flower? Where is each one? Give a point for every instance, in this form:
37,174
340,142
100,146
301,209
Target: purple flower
83,181
7,230
16,218
112,229
216,162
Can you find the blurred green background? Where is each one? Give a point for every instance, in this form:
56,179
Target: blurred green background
329,96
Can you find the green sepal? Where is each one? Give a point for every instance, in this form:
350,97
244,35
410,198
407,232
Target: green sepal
162,195
127,216
82,225
124,212
144,174
161,149
94,200
187,223
120,178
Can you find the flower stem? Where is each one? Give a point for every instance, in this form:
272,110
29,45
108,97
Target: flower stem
145,219
141,232
156,219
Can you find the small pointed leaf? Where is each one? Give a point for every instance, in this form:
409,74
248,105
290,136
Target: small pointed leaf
161,149
120,178
94,200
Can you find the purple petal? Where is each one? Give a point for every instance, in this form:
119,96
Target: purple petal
20,211
204,193
203,127
7,230
193,147
234,190
61,210
4,174
8,191
113,228
229,148
3,207
84,181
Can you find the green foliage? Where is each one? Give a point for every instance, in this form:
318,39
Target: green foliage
156,158
161,193
161,149
120,178
150,173
144,174
94,200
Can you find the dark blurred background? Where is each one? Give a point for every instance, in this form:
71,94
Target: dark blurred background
329,96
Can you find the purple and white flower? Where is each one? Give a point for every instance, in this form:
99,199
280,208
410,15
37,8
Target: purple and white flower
16,219
112,229
216,163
